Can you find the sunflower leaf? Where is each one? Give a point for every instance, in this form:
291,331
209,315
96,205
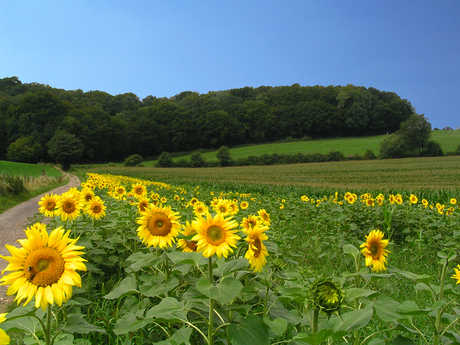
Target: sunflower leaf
77,324
126,287
152,289
224,292
252,331
352,250
190,258
231,266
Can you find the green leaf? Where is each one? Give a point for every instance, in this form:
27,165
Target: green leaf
131,322
191,258
146,260
352,250
411,308
252,331
224,292
277,326
356,319
353,293
400,340
126,287
169,309
152,289
424,278
320,336
77,324
385,307
231,266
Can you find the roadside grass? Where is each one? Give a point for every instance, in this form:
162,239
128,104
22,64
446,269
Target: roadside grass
34,182
449,140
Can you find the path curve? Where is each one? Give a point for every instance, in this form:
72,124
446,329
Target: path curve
14,221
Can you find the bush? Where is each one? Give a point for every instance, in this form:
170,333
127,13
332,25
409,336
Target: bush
457,150
369,154
111,164
133,161
14,184
335,156
165,160
433,149
392,147
196,160
223,155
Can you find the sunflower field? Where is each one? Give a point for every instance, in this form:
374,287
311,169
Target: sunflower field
126,260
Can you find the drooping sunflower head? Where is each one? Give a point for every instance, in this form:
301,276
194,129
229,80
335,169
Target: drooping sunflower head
87,194
96,208
45,267
249,222
69,207
48,205
264,216
256,252
374,250
327,296
186,243
159,226
215,235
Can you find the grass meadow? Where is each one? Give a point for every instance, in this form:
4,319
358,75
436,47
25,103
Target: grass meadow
449,140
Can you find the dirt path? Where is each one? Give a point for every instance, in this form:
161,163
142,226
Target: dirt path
13,222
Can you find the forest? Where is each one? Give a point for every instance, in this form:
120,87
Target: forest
35,118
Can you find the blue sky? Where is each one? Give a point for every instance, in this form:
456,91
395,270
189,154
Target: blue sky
162,48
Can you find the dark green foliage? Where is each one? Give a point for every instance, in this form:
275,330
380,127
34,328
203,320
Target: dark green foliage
415,133
432,149
113,127
369,154
457,150
165,160
392,147
335,156
196,160
65,148
25,150
224,157
133,160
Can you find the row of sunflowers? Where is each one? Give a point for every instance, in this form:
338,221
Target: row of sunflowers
195,252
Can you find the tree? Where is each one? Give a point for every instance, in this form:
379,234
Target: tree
24,149
133,160
223,155
65,148
197,160
392,146
415,133
165,160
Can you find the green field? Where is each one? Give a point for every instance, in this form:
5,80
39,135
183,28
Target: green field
31,170
449,140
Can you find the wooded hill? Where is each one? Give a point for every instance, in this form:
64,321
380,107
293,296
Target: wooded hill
110,128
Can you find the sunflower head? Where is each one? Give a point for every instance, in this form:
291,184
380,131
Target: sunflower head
256,252
44,267
186,243
96,208
327,296
374,250
457,274
48,205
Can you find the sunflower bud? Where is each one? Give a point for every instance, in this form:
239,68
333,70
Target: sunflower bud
327,296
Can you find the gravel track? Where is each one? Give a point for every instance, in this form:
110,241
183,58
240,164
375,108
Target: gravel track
13,222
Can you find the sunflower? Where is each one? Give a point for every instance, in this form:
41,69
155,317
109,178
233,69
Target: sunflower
391,199
87,194
96,208
413,199
264,216
69,207
119,193
223,206
187,245
139,190
159,226
200,208
244,205
4,338
256,253
249,222
457,274
215,235
374,250
48,205
45,267
143,204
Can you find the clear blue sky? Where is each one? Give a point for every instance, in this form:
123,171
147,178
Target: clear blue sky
162,48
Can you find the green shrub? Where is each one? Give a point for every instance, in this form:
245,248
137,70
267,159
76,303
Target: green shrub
197,160
111,164
14,184
223,155
369,154
433,149
133,160
165,160
335,156
392,147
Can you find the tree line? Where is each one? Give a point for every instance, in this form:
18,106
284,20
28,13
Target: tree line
37,120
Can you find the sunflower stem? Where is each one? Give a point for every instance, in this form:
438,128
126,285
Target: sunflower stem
439,312
47,329
211,307
315,320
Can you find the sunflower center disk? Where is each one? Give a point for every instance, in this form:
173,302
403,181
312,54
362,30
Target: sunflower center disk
69,207
215,235
192,245
50,206
374,249
44,266
256,247
159,225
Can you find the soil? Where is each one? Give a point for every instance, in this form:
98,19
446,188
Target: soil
13,222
